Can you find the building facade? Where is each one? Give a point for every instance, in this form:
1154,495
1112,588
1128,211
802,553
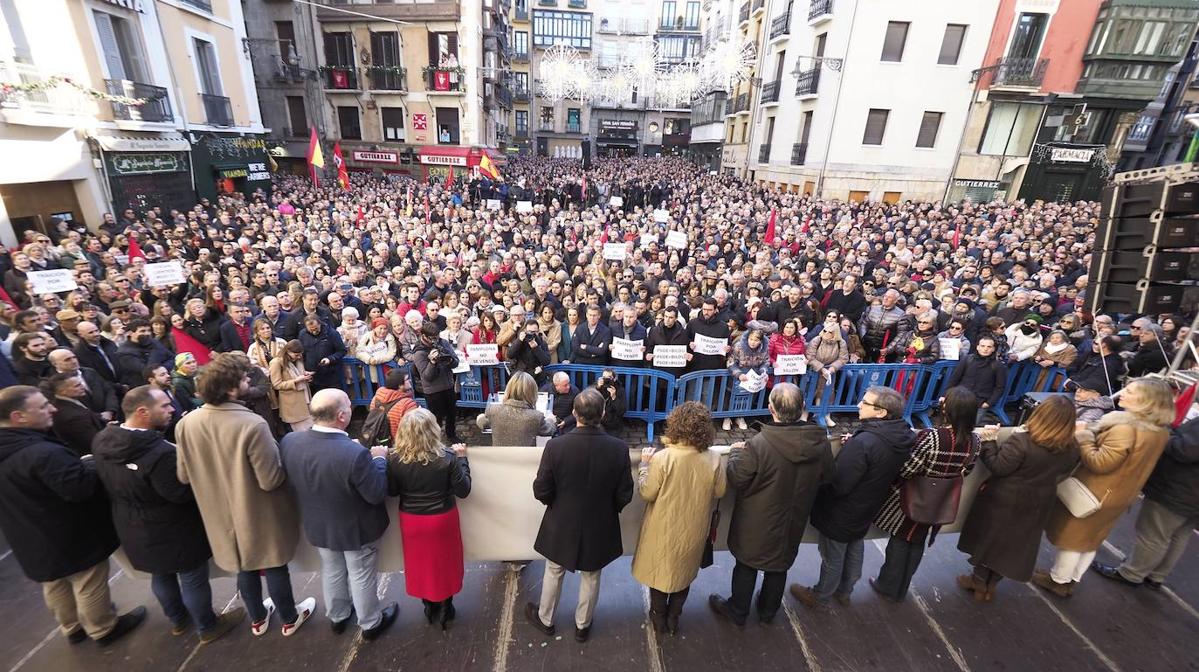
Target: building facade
85,147
860,99
1161,135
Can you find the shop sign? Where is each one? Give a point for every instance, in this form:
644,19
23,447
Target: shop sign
442,160
233,172
146,163
257,172
376,157
976,184
1070,155
618,125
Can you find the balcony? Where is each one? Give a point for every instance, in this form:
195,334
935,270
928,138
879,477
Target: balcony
521,13
799,153
157,108
574,128
820,10
520,95
1019,72
764,154
547,3
55,106
741,104
546,125
758,6
522,132
387,77
340,77
807,82
520,57
743,15
780,26
442,81
218,111
770,91
577,4
503,96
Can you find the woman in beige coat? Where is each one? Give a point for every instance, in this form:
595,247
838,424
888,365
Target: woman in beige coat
679,484
291,381
1118,454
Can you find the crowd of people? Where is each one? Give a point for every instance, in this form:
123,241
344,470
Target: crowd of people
206,419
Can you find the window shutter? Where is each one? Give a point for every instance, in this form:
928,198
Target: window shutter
929,125
893,44
453,44
108,43
433,49
951,44
876,126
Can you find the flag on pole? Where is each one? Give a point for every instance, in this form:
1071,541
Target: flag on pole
449,178
361,215
315,158
1182,405
774,213
486,165
135,250
604,236
343,173
957,235
428,212
408,208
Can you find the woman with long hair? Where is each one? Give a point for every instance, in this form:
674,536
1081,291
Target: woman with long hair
160,328
947,452
551,328
292,386
1118,455
679,484
427,478
1002,533
569,325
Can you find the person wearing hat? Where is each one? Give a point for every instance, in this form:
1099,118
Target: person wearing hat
65,333
377,346
183,381
1024,339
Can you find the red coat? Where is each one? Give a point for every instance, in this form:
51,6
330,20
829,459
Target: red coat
782,345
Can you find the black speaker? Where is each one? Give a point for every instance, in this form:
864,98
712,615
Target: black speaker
586,145
1142,298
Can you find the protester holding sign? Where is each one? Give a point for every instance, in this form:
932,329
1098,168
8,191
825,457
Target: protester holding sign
666,344
628,341
705,335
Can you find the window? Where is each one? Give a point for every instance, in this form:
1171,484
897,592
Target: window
806,132
951,44
570,28
678,48
893,43
286,32
297,116
348,123
1026,40
1010,129
876,127
393,124
520,43
121,47
385,49
447,125
692,20
441,47
929,125
547,118
520,82
16,32
522,122
769,130
339,50
210,74
574,120
668,15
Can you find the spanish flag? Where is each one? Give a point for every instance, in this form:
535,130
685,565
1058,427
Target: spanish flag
315,158
487,167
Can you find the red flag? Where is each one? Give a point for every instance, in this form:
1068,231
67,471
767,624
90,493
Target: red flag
315,158
343,174
361,214
770,226
1183,404
7,299
604,236
449,178
135,250
957,235
428,212
186,343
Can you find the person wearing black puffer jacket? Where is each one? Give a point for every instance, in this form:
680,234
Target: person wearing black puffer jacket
869,462
983,374
1168,515
155,515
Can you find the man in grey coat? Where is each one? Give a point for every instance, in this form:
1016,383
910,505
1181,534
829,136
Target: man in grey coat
341,488
776,476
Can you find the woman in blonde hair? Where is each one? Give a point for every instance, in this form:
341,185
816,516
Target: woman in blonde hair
1118,454
1002,533
292,386
427,478
516,421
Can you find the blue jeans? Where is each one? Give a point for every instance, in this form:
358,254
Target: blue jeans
352,578
185,594
278,581
840,567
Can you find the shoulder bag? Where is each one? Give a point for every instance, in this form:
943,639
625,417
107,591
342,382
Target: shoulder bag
932,500
1077,497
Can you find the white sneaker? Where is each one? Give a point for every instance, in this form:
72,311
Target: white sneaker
741,424
259,628
303,611
727,425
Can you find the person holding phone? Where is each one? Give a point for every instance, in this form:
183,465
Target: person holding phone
291,383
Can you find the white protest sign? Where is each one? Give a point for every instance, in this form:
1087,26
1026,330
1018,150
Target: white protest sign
626,350
951,348
661,216
493,204
616,201
648,239
483,354
615,251
753,383
706,345
524,206
165,273
677,240
790,365
463,365
123,259
52,282
670,356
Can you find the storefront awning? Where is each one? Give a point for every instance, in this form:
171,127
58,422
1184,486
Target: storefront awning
142,143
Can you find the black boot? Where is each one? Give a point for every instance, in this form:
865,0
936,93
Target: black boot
431,610
674,608
447,612
657,610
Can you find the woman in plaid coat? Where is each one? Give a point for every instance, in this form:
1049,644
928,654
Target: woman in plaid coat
942,452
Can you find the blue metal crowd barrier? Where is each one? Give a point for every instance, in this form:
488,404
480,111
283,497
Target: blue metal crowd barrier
651,394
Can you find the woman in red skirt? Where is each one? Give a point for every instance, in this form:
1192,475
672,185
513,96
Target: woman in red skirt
427,478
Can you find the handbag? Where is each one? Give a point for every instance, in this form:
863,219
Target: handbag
706,560
1077,497
932,500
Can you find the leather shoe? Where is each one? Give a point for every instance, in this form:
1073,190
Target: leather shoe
388,618
534,618
79,636
1111,572
1151,584
581,634
339,627
881,592
721,606
126,624
806,597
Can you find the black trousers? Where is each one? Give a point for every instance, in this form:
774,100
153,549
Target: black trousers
745,579
902,559
444,407
669,604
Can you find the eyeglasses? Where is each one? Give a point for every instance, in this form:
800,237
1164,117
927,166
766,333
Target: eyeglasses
870,403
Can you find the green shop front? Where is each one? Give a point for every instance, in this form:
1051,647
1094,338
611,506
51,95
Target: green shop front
229,163
146,172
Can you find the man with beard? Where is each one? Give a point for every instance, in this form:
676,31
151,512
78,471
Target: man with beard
709,325
311,301
138,351
668,332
